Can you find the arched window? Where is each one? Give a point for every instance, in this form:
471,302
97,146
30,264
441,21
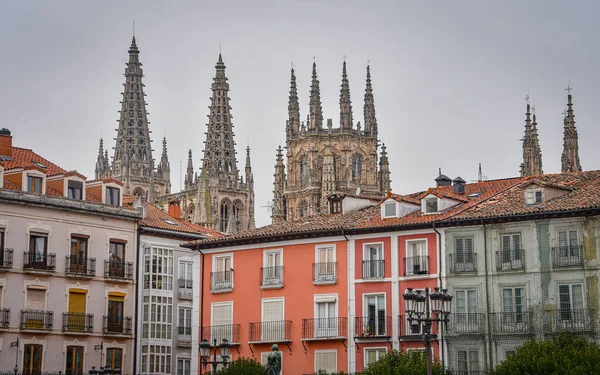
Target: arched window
356,167
303,209
304,171
139,192
224,216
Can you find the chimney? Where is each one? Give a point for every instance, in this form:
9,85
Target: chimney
174,208
442,180
459,185
5,144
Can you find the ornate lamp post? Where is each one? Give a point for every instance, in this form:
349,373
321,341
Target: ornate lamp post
105,371
419,311
224,349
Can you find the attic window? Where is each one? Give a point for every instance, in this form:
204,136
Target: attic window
389,209
533,196
431,205
39,164
336,205
170,222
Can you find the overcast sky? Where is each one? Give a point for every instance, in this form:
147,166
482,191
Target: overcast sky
449,77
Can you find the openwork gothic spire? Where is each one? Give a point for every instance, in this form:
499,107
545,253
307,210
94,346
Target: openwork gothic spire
293,108
570,156
101,166
316,112
384,171
345,103
278,213
369,108
532,158
189,173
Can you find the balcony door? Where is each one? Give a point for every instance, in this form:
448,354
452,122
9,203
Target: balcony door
326,322
375,322
78,255
568,245
466,319
374,258
571,305
272,271
38,250
116,257
36,304
114,357
223,266
273,326
32,359
77,305
74,358
511,252
326,266
222,322
417,254
464,255
514,308
115,314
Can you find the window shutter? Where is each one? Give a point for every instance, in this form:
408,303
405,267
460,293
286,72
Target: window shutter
272,311
222,315
77,302
36,299
1,289
326,361
577,296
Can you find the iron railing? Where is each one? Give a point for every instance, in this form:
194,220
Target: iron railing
569,320
116,325
230,332
6,258
416,265
461,263
117,269
39,261
372,326
273,331
220,281
324,328
325,272
567,256
4,318
512,323
80,266
271,276
410,331
510,260
184,334
373,269
185,287
466,324
78,322
37,320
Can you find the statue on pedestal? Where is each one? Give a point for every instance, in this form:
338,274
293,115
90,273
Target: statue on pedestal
274,361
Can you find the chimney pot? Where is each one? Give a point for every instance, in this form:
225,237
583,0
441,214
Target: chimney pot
175,208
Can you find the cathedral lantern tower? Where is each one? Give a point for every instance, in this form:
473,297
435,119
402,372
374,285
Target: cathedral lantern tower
322,160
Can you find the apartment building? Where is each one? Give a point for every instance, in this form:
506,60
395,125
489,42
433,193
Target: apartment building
68,246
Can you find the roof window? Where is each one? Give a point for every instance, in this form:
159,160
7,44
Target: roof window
170,222
39,164
431,205
533,196
389,209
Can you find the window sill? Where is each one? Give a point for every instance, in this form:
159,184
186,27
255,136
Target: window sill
272,286
219,291
324,282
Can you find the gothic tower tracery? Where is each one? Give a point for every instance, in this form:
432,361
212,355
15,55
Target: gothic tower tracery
532,154
570,155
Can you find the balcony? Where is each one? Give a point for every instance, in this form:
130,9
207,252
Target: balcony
6,259
510,260
581,320
80,267
39,262
462,263
271,277
78,323
373,269
184,336
567,257
324,328
325,273
118,270
115,325
185,288
416,265
512,323
466,324
371,327
230,332
271,332
37,320
4,318
221,282
409,331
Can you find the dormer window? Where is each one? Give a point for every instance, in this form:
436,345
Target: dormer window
431,205
75,190
336,205
34,184
113,196
533,196
389,209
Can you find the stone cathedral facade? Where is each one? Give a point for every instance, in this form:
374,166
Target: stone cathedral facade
132,161
220,197
322,160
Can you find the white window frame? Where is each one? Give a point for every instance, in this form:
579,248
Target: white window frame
530,196
215,259
469,322
514,262
512,319
212,314
326,298
374,348
183,360
327,351
33,173
385,205
570,285
266,254
469,350
424,253
367,257
318,278
437,203
364,307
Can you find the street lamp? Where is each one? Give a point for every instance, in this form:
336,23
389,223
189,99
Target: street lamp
419,313
224,350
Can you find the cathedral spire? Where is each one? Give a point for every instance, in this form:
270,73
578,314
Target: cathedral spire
531,154
293,108
570,156
345,103
384,171
189,173
101,167
536,144
219,149
369,108
316,112
278,213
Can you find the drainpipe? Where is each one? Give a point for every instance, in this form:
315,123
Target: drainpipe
137,300
487,292
439,241
201,306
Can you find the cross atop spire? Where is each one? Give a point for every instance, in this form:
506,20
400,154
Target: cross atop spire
568,89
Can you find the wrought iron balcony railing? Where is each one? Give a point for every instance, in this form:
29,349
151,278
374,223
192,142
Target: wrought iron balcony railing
116,269
569,320
271,332
462,263
4,318
230,332
373,269
510,260
184,334
39,261
512,323
466,324
76,266
185,287
325,273
37,320
567,256
271,277
372,326
324,328
411,331
221,281
116,325
416,265
78,322
6,258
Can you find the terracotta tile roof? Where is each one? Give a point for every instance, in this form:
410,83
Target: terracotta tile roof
26,158
369,196
402,198
10,186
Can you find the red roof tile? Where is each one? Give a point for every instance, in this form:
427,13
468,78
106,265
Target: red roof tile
26,159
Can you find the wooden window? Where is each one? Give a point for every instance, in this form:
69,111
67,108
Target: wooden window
74,365
115,313
32,359
34,184
38,249
78,256
116,251
114,357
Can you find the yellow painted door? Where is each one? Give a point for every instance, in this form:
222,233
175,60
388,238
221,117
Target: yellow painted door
76,318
